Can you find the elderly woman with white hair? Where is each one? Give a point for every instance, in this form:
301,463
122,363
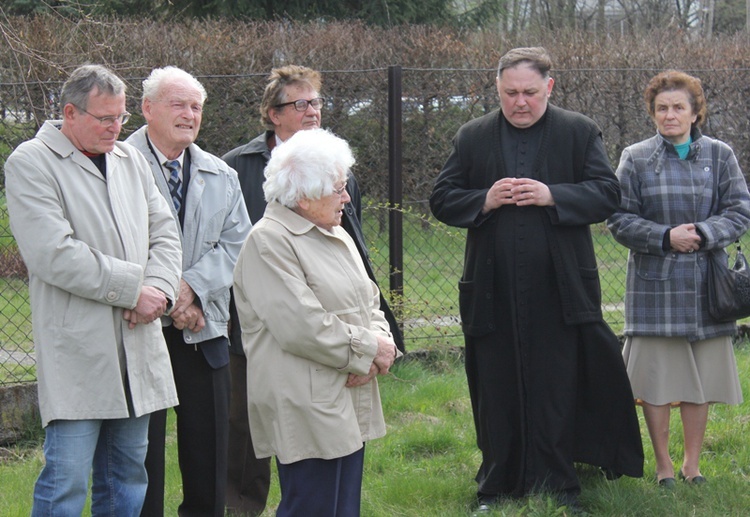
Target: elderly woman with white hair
312,331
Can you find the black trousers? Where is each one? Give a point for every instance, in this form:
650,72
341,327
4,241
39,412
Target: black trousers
202,432
248,478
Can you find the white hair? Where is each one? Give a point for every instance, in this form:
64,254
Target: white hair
153,84
307,166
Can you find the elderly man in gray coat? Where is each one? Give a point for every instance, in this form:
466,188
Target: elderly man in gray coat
103,255
205,196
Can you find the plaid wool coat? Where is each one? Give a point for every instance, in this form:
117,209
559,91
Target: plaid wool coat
667,291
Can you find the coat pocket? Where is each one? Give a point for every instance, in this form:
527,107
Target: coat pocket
325,383
652,267
475,307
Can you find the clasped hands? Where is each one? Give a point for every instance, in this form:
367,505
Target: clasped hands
383,361
152,304
517,191
684,238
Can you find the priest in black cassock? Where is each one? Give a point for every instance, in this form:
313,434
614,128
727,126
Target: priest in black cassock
547,382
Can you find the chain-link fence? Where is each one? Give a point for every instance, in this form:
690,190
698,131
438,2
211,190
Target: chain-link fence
434,103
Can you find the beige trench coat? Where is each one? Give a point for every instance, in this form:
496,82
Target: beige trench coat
90,245
309,317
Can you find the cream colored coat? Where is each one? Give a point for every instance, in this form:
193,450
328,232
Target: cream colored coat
90,245
309,317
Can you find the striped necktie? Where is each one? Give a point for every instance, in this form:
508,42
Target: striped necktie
175,184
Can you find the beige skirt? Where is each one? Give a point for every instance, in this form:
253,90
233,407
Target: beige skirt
670,370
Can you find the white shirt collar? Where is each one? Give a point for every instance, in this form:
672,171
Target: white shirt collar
163,159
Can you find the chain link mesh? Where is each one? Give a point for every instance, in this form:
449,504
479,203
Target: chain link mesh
435,103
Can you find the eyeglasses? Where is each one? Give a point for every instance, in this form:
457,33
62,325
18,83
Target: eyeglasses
109,120
339,191
302,104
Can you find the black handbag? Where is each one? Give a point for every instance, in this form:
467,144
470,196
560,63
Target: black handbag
728,287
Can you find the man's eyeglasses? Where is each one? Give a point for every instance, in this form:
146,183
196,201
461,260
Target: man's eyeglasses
302,104
109,120
339,191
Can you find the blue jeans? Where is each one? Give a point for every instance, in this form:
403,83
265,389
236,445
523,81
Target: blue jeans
115,450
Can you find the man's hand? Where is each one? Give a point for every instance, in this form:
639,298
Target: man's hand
186,313
152,303
527,192
190,318
185,299
517,191
499,194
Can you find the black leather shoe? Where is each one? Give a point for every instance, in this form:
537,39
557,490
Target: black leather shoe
667,483
695,480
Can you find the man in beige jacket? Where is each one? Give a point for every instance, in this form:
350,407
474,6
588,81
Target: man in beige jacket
104,262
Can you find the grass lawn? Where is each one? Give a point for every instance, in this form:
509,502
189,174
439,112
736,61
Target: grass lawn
426,464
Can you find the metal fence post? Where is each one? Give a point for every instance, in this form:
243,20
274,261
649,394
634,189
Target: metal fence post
395,184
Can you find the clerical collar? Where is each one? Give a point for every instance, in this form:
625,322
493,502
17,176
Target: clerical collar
532,127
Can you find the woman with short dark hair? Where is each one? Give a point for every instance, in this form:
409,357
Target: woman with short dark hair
683,197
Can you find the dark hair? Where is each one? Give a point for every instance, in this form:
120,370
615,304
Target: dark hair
279,79
674,80
536,57
84,80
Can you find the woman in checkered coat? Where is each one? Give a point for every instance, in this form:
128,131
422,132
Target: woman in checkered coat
683,196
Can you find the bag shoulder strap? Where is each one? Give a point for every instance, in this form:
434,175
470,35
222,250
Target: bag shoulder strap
715,193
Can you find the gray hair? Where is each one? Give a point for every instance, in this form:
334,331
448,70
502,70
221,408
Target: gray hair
280,78
536,57
307,166
158,77
84,80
